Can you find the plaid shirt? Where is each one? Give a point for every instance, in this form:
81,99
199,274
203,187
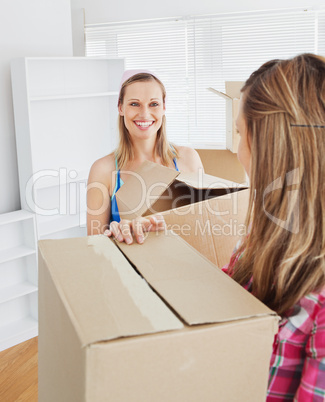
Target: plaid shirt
297,368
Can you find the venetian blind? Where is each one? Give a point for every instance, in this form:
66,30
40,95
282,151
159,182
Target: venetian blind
193,53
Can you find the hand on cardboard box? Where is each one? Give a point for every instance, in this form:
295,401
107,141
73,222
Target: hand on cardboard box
124,230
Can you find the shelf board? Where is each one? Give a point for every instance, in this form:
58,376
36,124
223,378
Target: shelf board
15,216
62,223
71,58
17,332
15,291
49,182
15,253
72,96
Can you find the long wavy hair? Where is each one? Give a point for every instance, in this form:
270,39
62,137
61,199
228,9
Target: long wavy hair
124,152
284,253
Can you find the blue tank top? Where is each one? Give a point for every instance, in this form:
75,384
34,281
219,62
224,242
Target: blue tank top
115,215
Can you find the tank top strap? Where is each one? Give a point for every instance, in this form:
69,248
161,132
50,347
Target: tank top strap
118,179
174,160
115,215
175,163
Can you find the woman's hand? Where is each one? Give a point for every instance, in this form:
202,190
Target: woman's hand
126,229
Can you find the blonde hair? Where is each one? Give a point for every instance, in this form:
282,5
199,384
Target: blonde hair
284,110
124,152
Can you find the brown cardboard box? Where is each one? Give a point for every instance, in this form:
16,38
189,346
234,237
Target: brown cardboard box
174,328
204,210
223,163
232,97
158,321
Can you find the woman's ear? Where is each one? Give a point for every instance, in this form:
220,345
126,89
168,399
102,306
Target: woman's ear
120,109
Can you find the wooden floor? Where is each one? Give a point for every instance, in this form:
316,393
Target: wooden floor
18,373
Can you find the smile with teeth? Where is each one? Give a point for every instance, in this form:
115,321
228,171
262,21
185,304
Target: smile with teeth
144,123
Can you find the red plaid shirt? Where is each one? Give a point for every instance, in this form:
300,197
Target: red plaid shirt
297,368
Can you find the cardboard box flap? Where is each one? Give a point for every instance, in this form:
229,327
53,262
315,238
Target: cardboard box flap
104,296
194,287
150,179
223,95
233,88
206,181
214,226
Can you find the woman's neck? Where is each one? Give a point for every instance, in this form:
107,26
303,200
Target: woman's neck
146,150
143,151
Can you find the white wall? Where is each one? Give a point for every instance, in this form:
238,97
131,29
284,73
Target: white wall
27,28
100,11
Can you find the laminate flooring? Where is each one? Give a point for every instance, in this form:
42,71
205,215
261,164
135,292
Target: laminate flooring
18,373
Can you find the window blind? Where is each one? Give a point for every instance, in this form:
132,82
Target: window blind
320,33
190,54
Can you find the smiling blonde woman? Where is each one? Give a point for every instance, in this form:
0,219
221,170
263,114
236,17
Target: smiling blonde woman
142,137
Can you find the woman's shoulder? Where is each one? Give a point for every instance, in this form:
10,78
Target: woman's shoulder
185,151
308,310
313,301
188,159
102,169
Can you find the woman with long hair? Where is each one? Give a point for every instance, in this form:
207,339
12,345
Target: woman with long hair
142,136
281,122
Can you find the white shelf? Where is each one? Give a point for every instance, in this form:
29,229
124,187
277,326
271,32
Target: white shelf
51,181
15,252
17,237
18,278
17,332
72,96
12,292
69,134
66,117
72,58
56,77
15,216
61,223
74,231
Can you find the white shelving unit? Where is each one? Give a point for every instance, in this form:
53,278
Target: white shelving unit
18,278
66,118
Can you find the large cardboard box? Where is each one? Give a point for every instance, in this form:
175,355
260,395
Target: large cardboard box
152,322
232,97
206,211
